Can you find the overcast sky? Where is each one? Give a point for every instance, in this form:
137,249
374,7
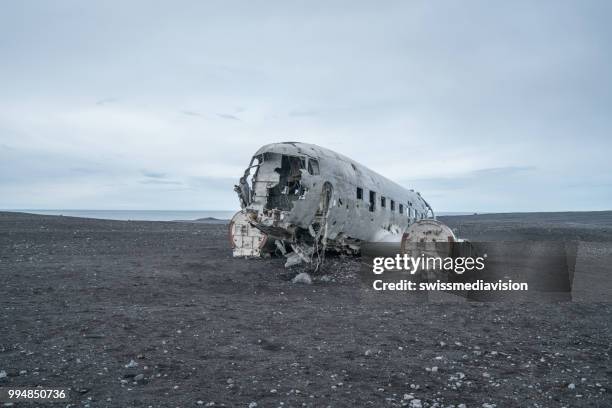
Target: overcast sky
480,105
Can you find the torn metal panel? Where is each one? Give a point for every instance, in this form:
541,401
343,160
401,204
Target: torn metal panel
246,239
313,199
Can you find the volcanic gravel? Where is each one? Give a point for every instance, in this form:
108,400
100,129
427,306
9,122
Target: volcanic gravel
159,314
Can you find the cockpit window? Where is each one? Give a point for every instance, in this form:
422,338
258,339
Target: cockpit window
256,164
289,187
313,166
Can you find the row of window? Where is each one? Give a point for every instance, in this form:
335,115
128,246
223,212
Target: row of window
383,203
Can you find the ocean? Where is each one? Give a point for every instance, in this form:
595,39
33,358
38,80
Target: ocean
137,215
153,215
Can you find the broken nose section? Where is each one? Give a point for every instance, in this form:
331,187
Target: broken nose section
256,235
289,239
246,239
299,255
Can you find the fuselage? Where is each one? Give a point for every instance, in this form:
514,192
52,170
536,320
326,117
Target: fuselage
294,186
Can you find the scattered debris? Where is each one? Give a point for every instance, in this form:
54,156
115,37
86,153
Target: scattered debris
302,278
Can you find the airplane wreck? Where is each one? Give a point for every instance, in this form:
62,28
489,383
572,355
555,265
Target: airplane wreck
301,200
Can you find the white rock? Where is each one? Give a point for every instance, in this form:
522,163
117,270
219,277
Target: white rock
571,386
3,374
200,402
408,396
131,364
253,404
416,403
293,259
302,278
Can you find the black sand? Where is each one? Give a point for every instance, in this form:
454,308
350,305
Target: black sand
81,298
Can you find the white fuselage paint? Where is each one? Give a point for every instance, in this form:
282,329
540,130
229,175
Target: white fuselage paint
349,217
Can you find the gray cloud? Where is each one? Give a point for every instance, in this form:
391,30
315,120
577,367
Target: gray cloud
190,113
153,174
480,106
211,183
227,116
